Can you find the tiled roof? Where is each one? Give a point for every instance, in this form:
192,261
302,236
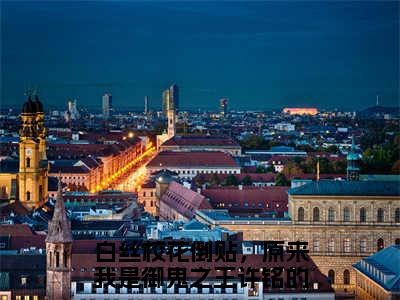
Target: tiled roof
268,199
386,262
184,200
68,169
255,177
348,188
193,159
202,140
15,230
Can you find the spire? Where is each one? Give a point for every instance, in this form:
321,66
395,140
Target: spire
59,228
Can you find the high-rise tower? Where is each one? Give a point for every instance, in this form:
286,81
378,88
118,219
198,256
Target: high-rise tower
33,165
146,105
223,107
170,99
107,105
58,252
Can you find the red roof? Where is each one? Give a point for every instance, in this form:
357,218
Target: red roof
15,230
255,177
267,199
193,159
184,200
202,140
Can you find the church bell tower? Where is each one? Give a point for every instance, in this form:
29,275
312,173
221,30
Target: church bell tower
58,252
33,166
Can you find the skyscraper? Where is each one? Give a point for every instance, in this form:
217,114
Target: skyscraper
170,99
146,104
107,105
223,106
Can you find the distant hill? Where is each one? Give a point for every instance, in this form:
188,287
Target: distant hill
377,110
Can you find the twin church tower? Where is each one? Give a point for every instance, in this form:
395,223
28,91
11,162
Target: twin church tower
33,164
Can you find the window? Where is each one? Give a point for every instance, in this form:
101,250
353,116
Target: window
315,214
380,244
24,280
300,214
28,196
57,259
316,246
363,215
28,162
397,241
397,215
331,214
363,246
65,259
346,245
331,276
331,246
346,277
346,214
380,216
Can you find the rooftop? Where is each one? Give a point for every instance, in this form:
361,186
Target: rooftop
202,140
348,188
385,262
192,159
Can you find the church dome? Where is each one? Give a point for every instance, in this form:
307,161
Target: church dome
38,104
29,107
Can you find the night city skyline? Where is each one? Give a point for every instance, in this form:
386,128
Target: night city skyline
261,55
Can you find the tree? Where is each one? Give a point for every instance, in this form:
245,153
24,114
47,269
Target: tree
199,180
261,169
280,180
230,180
247,180
214,180
291,170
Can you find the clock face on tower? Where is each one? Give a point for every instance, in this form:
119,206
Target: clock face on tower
28,151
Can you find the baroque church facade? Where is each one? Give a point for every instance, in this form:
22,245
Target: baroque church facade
26,180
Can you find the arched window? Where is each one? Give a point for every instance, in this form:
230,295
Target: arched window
65,259
300,214
397,215
346,277
315,214
28,162
380,244
331,214
331,276
380,216
363,215
28,196
57,259
51,259
346,214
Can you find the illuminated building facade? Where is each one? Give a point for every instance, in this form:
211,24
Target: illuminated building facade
170,99
300,111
